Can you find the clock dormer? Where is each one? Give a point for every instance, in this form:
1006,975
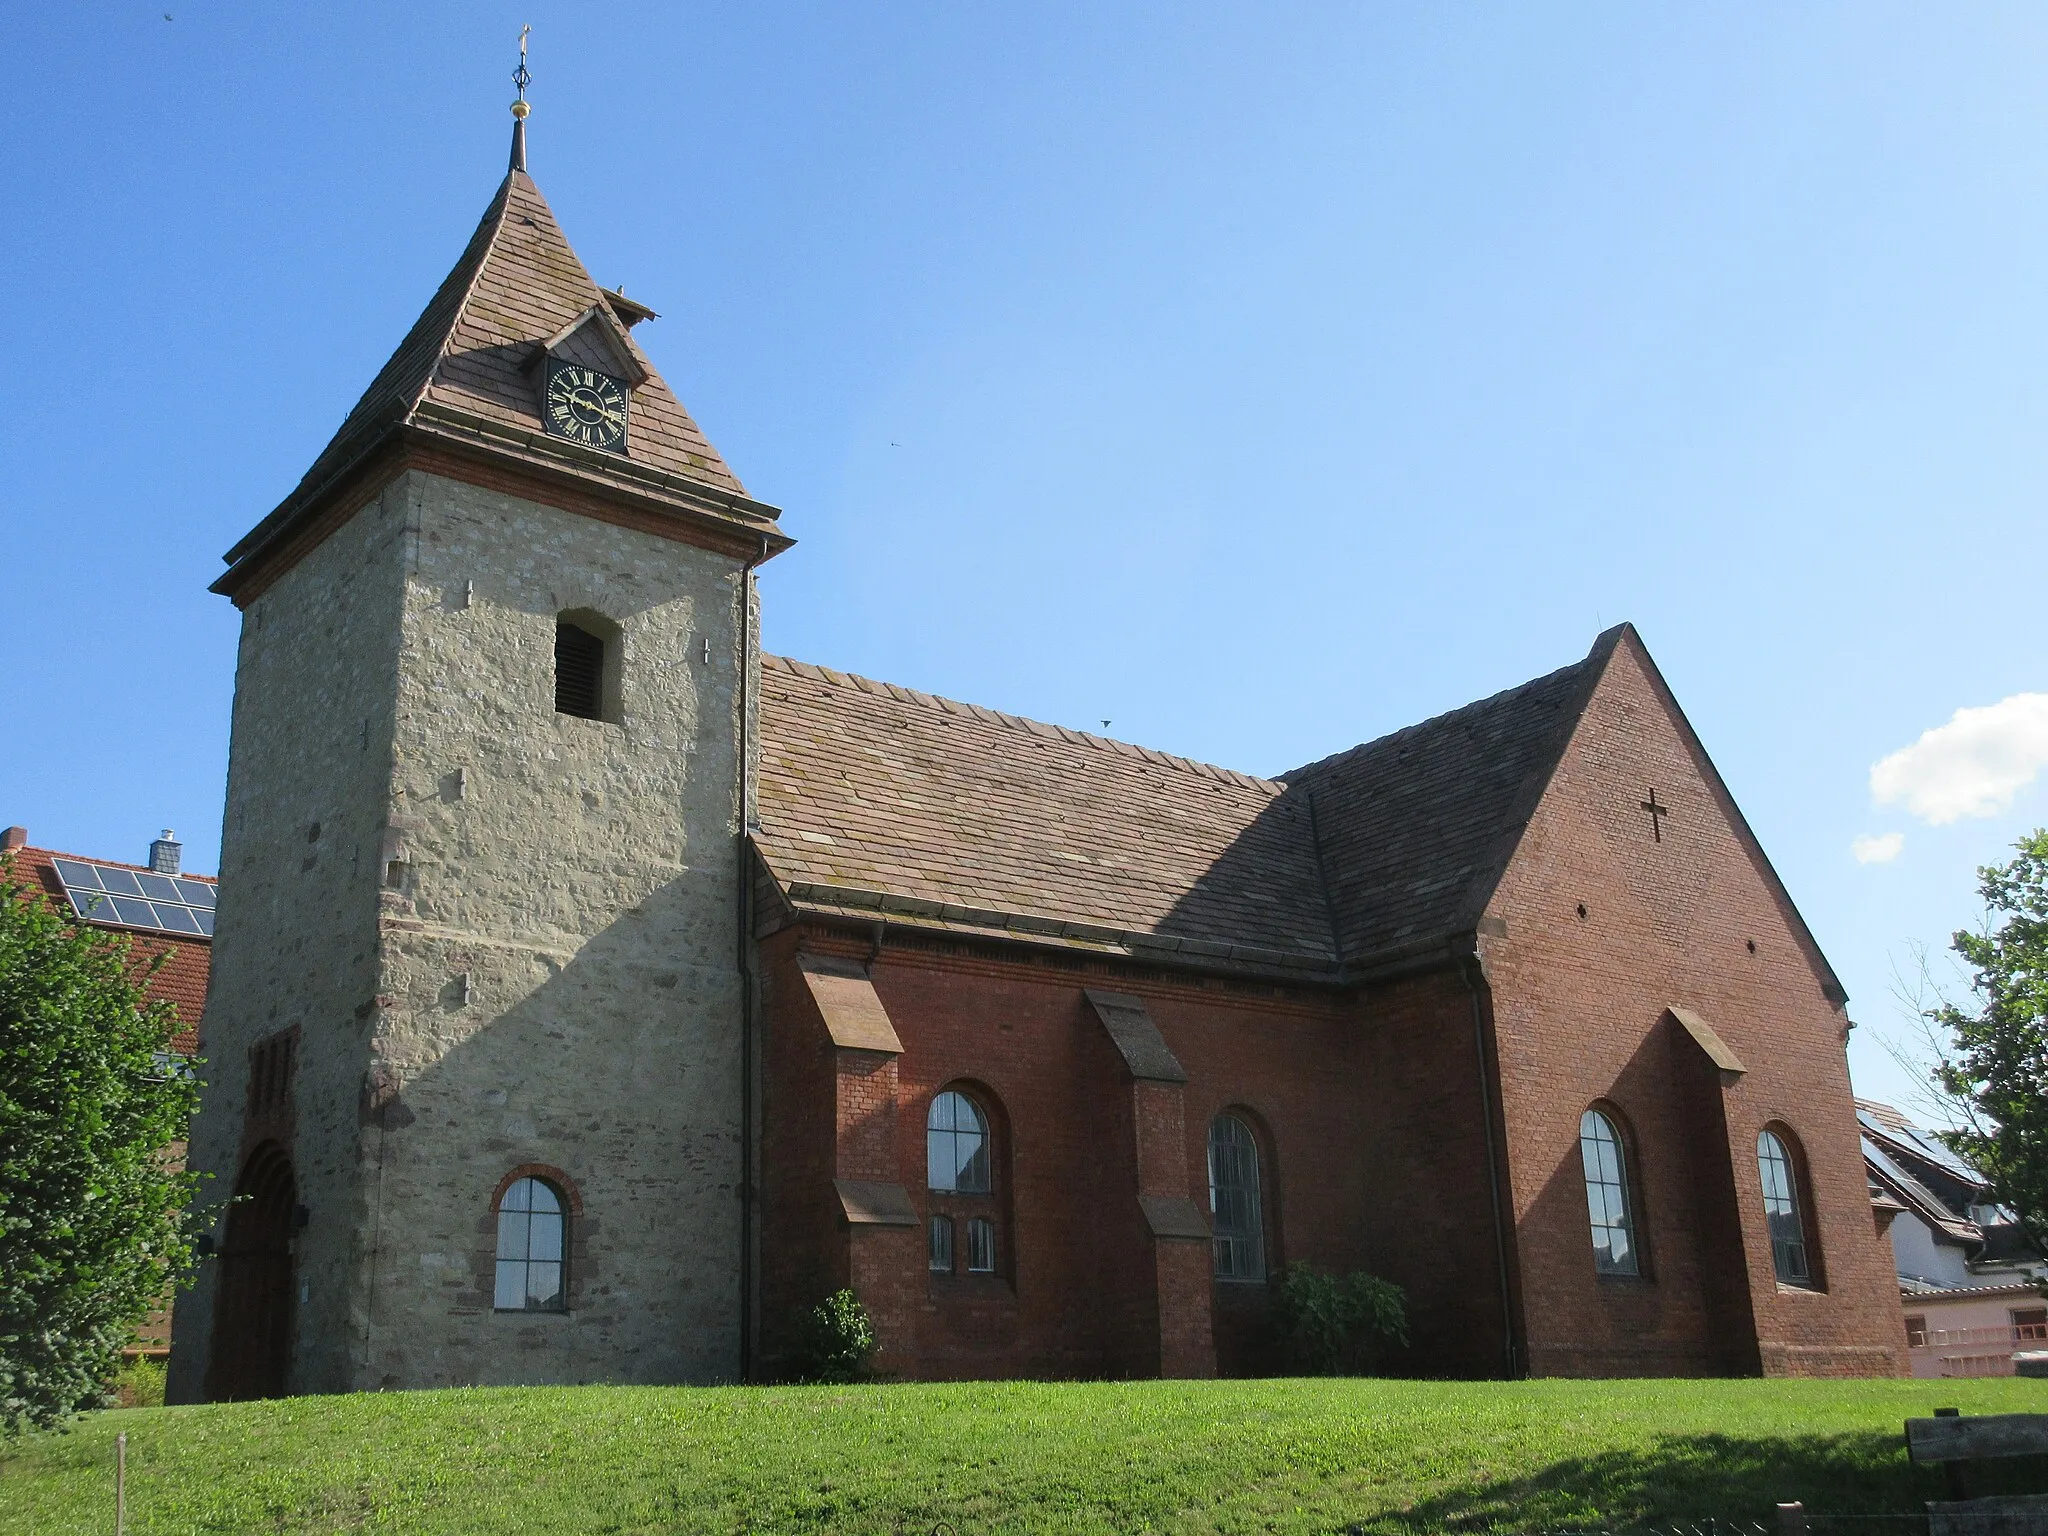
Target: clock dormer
587,373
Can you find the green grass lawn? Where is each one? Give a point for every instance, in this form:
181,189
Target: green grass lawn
1073,1457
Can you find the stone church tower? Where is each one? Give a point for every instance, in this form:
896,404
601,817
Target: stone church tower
481,945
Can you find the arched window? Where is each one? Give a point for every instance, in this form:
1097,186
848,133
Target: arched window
964,1207
531,1243
956,1146
1782,1213
1238,1215
1608,1206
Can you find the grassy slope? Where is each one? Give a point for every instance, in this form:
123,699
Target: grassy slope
1152,1456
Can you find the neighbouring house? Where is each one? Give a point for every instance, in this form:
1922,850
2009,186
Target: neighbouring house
594,992
1969,1286
165,911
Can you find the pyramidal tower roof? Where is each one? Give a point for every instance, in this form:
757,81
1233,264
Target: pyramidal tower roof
464,385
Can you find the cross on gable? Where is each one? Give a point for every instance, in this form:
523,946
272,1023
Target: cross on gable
1657,815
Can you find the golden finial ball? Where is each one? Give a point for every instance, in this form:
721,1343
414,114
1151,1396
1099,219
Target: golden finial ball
521,108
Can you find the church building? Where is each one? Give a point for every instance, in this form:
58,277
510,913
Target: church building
592,993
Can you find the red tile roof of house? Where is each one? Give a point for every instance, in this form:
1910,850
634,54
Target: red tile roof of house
180,981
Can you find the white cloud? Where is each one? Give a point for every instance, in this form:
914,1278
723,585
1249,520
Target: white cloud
1878,850
1972,766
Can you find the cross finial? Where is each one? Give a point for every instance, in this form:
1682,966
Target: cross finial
520,108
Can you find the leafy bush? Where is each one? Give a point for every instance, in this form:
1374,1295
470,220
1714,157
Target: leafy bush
138,1384
1337,1325
92,1223
835,1341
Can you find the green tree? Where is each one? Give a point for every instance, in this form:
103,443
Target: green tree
1995,1065
92,1223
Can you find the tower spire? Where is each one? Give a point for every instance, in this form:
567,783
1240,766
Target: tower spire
520,107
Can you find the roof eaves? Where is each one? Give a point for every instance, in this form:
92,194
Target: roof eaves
589,463
817,899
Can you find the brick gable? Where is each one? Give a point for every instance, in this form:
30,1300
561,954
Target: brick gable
1695,920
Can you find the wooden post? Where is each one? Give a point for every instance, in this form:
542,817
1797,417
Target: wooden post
1957,1472
121,1484
1792,1519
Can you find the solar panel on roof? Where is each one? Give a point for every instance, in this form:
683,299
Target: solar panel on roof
179,919
127,898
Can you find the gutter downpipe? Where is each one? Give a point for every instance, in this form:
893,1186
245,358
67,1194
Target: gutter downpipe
1470,968
744,926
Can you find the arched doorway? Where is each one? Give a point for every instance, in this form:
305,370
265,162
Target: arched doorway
252,1311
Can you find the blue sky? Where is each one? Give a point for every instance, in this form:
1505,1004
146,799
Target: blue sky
1257,378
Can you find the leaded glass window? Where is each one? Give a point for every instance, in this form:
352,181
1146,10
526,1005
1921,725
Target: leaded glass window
940,1261
530,1244
956,1146
1608,1207
1781,1210
1237,1219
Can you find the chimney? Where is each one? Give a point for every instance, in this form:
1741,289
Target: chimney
164,852
13,838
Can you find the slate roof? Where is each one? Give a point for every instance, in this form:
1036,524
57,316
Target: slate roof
874,797
461,372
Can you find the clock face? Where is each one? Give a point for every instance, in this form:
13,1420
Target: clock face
586,407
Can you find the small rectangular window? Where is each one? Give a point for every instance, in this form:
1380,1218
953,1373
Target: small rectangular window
579,671
2029,1325
941,1245
981,1246
1916,1333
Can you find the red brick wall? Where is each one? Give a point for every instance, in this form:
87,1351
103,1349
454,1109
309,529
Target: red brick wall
1580,1008
803,1251
1373,1157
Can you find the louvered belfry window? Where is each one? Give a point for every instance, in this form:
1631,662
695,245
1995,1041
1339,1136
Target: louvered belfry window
579,671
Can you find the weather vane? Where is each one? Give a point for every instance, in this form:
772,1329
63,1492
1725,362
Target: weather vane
520,108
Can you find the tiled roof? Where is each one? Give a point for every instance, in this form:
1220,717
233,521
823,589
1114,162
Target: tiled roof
180,981
462,373
1417,827
874,797
962,815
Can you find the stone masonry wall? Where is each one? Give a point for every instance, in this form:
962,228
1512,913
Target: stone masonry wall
560,980
511,943
296,939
